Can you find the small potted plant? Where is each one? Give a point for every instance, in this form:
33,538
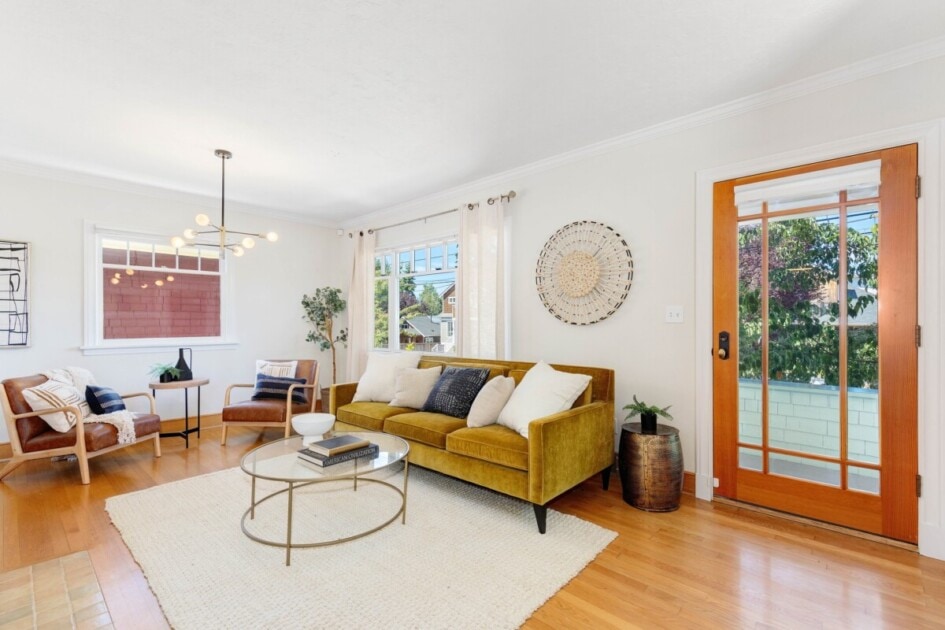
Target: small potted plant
647,414
165,372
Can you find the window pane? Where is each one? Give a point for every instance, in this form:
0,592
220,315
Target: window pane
114,252
388,264
750,458
140,254
749,332
165,256
420,260
803,468
403,262
209,259
436,257
188,258
381,338
452,255
154,304
863,479
803,333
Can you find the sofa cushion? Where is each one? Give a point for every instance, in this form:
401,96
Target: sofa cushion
542,392
379,378
490,401
368,415
494,370
495,444
413,387
424,427
456,390
98,435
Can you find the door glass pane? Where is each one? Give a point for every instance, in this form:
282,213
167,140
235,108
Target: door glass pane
803,333
863,333
750,458
749,332
803,468
863,479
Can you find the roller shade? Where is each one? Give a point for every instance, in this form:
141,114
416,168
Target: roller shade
808,185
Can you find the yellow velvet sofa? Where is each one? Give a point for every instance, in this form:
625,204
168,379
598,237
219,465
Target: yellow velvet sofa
561,450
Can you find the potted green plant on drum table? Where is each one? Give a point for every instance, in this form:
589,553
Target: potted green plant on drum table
647,414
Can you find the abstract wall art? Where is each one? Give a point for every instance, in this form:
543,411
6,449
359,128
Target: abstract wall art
14,294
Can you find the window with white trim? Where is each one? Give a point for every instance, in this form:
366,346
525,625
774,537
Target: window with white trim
144,292
419,275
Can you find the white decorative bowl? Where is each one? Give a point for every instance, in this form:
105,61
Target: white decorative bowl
312,426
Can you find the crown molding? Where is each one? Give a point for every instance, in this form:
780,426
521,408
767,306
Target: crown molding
916,53
32,169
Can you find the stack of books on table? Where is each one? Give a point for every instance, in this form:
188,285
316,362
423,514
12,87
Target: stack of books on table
341,448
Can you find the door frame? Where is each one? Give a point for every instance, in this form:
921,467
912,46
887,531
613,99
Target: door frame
930,137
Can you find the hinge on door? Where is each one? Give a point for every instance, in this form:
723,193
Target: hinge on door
918,336
918,186
918,485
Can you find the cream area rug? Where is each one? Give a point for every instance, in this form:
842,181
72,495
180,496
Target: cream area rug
466,557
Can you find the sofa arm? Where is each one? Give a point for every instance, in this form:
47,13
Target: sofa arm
568,447
341,394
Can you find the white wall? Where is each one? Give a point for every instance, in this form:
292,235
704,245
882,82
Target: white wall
646,191
268,284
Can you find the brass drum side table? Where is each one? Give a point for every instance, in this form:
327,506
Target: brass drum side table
651,467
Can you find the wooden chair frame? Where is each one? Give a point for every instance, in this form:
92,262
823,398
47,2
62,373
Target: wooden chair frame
77,449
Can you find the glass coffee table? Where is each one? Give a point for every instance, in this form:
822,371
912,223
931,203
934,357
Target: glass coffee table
278,461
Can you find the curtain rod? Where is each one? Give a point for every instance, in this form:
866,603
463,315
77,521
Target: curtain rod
469,206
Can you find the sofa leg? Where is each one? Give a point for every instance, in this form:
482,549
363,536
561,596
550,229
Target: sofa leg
605,477
541,514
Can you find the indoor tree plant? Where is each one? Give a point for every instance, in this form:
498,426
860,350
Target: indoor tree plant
320,311
647,414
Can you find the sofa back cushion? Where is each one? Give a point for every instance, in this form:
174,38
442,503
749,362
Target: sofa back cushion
494,370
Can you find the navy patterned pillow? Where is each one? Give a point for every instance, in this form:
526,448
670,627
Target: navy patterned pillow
103,400
277,387
456,390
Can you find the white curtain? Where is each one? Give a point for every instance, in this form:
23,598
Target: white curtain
360,304
482,314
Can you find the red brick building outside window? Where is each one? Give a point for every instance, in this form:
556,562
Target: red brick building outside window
152,291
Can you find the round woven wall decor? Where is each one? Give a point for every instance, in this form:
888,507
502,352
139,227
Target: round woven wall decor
584,273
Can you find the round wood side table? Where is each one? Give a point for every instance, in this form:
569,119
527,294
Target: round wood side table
651,467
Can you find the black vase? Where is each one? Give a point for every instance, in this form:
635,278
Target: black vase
186,373
648,422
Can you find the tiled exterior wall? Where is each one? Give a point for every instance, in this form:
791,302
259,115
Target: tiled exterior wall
806,418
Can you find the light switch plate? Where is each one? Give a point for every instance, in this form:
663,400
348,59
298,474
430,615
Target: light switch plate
674,314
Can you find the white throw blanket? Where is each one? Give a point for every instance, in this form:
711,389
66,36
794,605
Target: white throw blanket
80,378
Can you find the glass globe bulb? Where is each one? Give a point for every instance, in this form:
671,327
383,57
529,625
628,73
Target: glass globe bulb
237,250
249,243
190,234
177,242
272,237
202,220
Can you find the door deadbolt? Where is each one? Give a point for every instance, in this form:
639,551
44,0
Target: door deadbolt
723,345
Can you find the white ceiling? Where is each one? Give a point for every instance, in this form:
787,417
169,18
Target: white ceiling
338,108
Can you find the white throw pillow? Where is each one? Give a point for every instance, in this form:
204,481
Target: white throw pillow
490,401
413,387
52,394
284,369
379,379
543,391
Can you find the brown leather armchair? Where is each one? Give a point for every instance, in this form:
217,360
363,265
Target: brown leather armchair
32,438
271,412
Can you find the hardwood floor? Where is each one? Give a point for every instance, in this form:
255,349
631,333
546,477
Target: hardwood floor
707,565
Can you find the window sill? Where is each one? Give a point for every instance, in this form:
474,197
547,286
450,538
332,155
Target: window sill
139,346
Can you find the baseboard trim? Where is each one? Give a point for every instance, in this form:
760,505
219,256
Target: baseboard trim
689,482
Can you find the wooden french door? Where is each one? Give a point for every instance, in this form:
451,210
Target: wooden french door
815,362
